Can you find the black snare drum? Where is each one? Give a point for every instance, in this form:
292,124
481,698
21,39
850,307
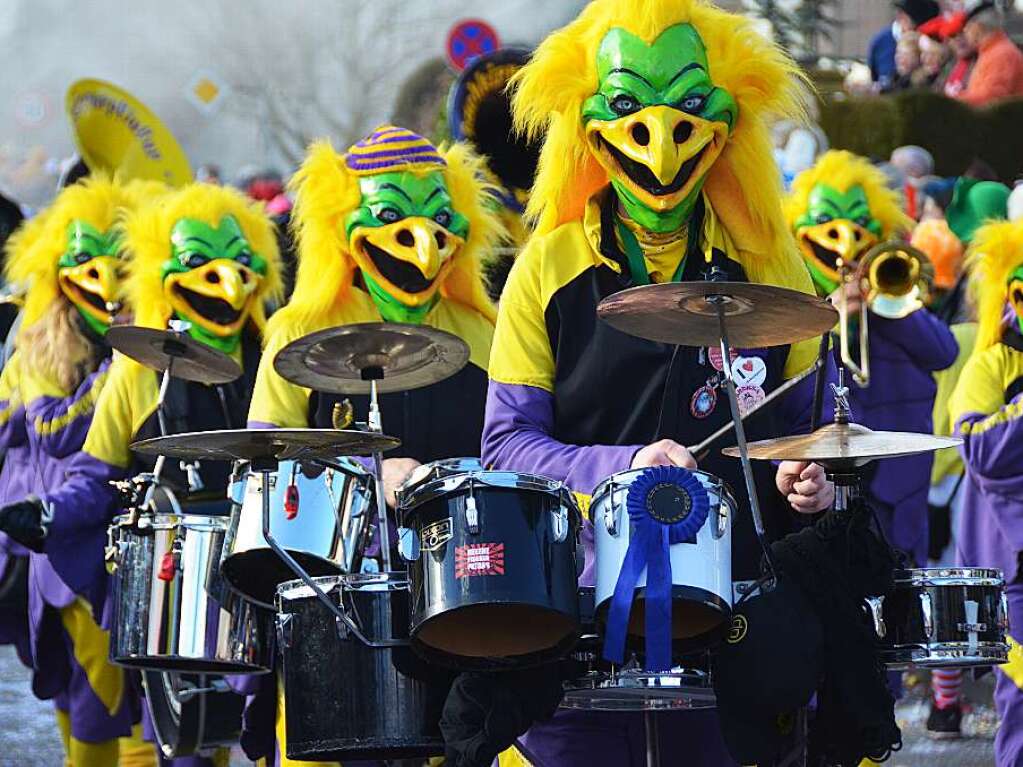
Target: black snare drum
344,700
943,618
492,566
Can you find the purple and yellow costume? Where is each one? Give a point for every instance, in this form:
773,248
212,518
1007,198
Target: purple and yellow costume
987,410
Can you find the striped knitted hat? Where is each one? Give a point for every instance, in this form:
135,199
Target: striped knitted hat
390,148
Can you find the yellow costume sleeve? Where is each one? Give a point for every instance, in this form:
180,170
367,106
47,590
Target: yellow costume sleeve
275,401
128,398
981,387
10,401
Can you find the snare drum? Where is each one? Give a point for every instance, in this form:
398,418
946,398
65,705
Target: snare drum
701,572
343,699
492,566
943,618
187,721
165,592
319,516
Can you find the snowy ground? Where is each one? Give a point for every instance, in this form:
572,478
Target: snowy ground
28,736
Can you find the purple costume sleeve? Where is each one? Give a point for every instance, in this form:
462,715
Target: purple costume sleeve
12,428
516,435
796,407
61,423
82,509
993,448
925,339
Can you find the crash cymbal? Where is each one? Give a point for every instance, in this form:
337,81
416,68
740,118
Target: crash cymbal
187,358
266,444
343,360
685,314
840,446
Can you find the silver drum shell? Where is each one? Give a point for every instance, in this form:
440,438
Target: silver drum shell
326,537
190,622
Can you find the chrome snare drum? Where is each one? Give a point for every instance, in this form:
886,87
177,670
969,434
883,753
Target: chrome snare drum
166,588
701,572
943,617
492,565
318,515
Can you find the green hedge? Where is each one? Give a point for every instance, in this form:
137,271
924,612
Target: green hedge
953,132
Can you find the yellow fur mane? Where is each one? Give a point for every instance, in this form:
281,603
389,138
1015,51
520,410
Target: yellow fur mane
147,243
841,171
743,186
996,252
326,193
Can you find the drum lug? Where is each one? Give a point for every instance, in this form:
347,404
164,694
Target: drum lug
611,519
408,544
926,609
876,605
472,515
284,621
559,523
1003,619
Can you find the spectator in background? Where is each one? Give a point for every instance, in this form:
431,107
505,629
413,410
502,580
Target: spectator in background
909,14
1015,204
907,62
964,55
935,57
998,73
917,165
209,174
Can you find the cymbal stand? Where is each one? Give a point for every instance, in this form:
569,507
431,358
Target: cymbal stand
653,745
720,302
178,327
847,480
376,425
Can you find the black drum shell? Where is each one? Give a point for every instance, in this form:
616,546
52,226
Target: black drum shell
208,720
540,573
347,701
906,640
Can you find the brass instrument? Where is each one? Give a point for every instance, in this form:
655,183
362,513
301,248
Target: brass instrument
895,279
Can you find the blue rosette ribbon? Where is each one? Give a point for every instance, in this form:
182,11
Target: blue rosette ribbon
666,505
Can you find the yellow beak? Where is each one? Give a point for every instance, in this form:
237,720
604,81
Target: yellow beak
672,145
94,287
834,243
384,253
221,279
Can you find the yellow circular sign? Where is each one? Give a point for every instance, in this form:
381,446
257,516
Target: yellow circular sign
118,134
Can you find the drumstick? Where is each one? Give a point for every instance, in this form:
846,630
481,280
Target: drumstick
700,450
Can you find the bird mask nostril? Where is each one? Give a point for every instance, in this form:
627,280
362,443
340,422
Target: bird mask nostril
682,132
212,277
405,238
833,234
640,134
244,277
441,239
94,274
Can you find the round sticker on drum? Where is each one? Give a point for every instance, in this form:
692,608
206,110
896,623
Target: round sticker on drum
714,355
749,371
749,397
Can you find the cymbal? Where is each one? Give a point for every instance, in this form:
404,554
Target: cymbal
266,444
841,446
188,359
685,314
342,360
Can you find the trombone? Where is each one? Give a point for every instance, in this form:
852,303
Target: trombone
895,279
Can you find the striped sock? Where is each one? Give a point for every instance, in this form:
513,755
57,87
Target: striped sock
945,683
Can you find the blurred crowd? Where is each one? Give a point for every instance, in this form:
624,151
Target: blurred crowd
959,48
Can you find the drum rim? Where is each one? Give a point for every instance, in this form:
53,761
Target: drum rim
724,489
413,498
172,520
426,471
950,576
222,667
298,589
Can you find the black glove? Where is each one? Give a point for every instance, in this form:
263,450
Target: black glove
23,522
485,713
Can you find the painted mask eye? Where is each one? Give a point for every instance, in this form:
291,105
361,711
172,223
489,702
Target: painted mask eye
864,221
389,215
195,260
244,258
443,218
81,257
693,103
624,105
823,218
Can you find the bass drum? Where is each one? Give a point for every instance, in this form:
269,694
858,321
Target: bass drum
343,699
943,618
186,721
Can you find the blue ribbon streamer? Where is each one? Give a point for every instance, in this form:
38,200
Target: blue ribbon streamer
649,543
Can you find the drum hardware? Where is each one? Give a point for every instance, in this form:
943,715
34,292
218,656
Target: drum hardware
897,277
189,690
192,714
343,415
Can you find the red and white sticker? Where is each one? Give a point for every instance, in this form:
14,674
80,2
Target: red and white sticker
749,371
479,559
714,355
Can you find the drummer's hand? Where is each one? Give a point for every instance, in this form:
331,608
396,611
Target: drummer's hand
805,486
23,522
396,471
853,296
664,453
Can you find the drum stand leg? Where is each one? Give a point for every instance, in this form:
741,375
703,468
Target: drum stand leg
375,424
653,746
740,432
